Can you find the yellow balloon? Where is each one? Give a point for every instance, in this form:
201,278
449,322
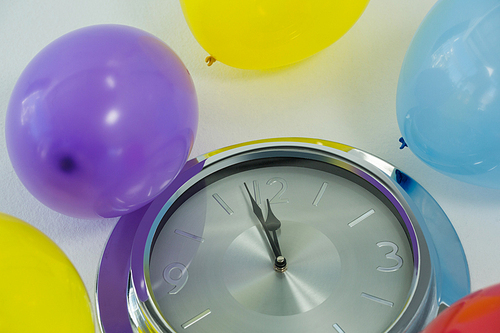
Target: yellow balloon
40,290
260,34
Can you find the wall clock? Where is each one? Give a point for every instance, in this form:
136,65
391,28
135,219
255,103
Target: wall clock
283,235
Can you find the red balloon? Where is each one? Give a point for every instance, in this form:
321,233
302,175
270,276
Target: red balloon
478,312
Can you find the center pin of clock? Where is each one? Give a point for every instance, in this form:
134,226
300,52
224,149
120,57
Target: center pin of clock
280,264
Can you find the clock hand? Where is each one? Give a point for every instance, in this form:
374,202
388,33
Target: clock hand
274,224
258,212
279,261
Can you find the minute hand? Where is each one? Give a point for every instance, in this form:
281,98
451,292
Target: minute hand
258,212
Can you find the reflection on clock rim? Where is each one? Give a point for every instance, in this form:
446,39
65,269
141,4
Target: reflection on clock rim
342,164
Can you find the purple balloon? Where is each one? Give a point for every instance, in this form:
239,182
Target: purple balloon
101,121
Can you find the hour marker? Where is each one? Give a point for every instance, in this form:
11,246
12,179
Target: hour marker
188,235
196,319
361,218
377,299
338,328
320,194
223,204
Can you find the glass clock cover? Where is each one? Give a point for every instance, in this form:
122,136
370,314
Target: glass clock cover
291,235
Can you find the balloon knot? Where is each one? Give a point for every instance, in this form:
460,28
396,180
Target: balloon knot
210,60
403,143
401,178
67,164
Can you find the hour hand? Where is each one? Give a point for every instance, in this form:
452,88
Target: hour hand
258,212
273,224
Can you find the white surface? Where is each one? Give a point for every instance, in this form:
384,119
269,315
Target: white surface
345,93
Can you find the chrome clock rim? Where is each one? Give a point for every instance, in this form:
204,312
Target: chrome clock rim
425,298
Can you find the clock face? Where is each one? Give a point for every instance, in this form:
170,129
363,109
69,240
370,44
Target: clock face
351,251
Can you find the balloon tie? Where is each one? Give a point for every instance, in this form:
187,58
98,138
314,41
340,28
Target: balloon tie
401,177
403,143
210,60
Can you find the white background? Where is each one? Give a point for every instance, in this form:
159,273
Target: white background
345,93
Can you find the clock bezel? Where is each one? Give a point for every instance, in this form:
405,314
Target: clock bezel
421,300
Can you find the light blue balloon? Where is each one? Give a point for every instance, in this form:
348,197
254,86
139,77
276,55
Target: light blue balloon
448,98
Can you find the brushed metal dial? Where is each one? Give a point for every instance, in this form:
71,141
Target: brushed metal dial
350,259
